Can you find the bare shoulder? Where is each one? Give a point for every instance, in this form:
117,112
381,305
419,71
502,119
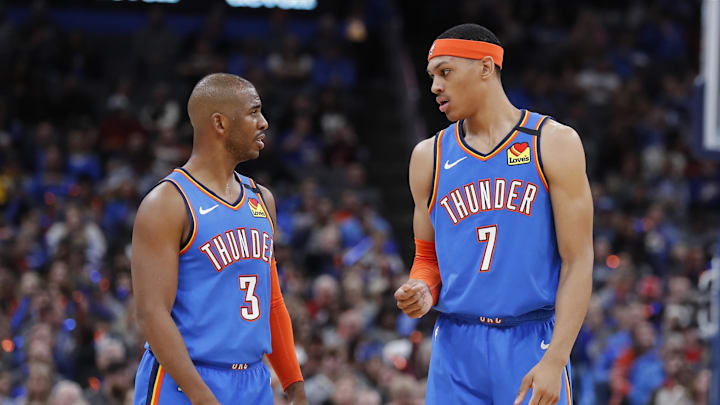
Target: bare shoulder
421,169
161,217
562,151
559,138
162,203
424,150
269,198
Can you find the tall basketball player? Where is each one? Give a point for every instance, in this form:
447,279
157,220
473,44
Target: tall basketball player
203,271
503,230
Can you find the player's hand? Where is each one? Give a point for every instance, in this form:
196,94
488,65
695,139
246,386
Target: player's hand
545,379
414,298
296,393
207,398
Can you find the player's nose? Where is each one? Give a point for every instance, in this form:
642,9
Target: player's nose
262,123
436,87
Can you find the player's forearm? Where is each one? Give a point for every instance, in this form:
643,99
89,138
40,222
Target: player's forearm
283,358
571,303
169,348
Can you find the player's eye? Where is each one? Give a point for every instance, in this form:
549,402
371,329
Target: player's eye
445,72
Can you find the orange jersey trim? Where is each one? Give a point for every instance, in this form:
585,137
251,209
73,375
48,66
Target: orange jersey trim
498,148
206,192
433,194
567,387
537,163
262,202
158,386
190,241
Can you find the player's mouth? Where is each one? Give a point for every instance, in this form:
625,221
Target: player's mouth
443,102
260,140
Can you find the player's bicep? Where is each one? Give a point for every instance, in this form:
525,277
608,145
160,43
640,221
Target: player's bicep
569,191
156,239
421,183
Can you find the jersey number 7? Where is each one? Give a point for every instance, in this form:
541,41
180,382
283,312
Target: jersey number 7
487,234
251,312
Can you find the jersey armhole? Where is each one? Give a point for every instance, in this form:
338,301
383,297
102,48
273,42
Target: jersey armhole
259,193
538,154
185,245
436,169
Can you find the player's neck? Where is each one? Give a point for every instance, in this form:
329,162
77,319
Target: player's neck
215,171
494,117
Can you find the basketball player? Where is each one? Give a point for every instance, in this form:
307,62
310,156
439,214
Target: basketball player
203,271
503,228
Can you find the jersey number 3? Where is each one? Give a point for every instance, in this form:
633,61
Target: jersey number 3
487,235
250,312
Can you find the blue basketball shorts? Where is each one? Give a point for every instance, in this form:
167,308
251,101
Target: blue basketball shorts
474,363
247,384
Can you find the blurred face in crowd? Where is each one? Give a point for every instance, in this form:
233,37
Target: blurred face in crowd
39,380
460,84
246,126
67,393
644,336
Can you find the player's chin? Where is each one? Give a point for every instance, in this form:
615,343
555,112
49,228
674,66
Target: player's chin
452,115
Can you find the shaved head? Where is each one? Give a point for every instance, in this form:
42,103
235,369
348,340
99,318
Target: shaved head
217,93
225,112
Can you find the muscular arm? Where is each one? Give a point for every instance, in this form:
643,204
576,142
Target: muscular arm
421,291
159,228
283,358
564,161
421,182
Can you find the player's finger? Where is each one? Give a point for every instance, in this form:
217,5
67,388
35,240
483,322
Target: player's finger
536,398
412,299
416,314
417,287
403,292
524,387
408,305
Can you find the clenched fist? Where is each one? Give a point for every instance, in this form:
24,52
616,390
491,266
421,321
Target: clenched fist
414,298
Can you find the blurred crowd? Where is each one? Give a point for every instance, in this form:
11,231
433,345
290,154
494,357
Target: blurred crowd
88,124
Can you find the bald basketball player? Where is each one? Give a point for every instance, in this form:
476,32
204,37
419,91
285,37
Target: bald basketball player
205,280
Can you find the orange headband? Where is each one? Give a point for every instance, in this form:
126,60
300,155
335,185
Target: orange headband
466,49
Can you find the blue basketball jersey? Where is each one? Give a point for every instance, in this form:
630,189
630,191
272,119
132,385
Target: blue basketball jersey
494,230
222,305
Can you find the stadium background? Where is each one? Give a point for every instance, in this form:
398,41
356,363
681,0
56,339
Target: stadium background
92,114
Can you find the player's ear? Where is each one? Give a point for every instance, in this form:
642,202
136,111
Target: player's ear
219,122
487,67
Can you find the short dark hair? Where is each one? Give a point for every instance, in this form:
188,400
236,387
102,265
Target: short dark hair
472,32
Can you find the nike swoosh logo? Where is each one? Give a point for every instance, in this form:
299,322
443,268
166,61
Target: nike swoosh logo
544,345
449,165
203,212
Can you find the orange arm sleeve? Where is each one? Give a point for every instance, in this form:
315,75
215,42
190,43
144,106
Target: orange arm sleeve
283,358
425,267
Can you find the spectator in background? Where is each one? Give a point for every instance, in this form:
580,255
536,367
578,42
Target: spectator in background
39,383
162,112
638,371
289,65
67,393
